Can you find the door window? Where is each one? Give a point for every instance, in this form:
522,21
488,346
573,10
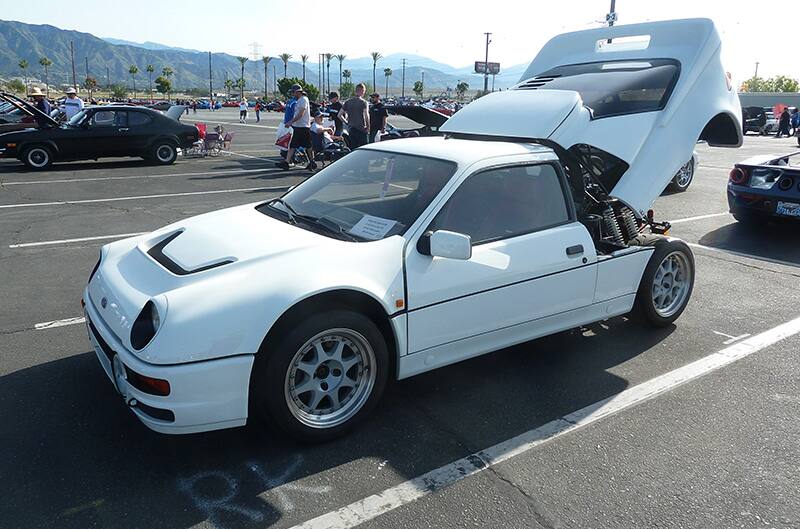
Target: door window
138,119
505,202
110,118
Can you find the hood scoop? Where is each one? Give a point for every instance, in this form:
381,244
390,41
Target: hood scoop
162,256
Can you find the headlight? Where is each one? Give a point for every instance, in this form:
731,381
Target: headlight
145,326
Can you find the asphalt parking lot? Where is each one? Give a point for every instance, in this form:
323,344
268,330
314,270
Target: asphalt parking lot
713,451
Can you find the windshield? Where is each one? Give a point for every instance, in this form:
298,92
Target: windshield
367,195
77,118
616,87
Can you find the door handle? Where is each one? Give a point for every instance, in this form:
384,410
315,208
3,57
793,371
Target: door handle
575,250
123,130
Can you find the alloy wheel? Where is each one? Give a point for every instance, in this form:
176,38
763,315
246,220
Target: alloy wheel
671,284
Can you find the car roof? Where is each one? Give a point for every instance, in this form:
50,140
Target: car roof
463,152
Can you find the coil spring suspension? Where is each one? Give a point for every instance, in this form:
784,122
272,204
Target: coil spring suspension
629,220
612,226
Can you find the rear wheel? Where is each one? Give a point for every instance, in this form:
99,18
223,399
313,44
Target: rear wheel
683,178
323,377
164,153
37,157
666,284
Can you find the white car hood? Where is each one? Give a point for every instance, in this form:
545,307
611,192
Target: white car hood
269,266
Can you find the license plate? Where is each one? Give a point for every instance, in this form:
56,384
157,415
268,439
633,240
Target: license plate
788,209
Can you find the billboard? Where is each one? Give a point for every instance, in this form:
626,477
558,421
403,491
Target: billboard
487,67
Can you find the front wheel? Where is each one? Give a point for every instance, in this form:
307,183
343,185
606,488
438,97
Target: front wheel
37,157
666,284
322,377
164,153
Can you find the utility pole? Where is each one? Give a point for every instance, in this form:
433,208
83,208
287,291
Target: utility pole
108,79
756,74
86,60
210,84
72,57
486,72
403,84
611,17
423,83
274,79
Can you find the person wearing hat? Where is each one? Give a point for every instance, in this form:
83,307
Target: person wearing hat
301,128
334,106
40,101
72,104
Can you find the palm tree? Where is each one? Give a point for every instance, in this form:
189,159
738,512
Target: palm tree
242,61
376,56
347,74
285,58
341,59
228,85
328,58
387,72
44,61
133,70
23,65
149,69
266,60
167,72
304,58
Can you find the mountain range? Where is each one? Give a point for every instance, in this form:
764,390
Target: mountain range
109,59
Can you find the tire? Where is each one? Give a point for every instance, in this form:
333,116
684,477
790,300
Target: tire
37,157
355,374
163,152
683,178
664,308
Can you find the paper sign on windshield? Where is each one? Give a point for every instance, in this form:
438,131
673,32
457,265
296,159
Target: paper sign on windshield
373,228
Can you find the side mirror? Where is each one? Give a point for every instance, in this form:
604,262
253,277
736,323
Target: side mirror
449,244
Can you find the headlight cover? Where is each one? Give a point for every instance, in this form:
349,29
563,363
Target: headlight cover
145,326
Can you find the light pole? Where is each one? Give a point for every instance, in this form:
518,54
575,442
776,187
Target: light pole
403,84
486,70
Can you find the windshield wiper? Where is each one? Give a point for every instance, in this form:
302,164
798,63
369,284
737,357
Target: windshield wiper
322,222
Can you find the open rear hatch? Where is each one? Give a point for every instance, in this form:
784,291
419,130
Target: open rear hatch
636,98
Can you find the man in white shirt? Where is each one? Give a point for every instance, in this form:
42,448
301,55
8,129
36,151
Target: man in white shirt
243,111
301,133
72,104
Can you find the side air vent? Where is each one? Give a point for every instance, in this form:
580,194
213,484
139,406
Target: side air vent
157,253
536,82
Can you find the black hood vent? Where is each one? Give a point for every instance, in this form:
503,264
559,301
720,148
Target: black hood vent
157,253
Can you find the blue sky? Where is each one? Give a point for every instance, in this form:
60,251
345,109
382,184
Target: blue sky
449,32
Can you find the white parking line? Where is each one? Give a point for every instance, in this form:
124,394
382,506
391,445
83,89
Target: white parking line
373,506
699,217
93,179
142,197
58,323
80,239
742,254
237,124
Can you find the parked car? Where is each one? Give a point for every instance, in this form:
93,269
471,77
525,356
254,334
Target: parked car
764,188
98,132
771,124
754,119
160,105
429,121
407,256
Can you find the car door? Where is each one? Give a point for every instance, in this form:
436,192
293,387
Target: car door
139,133
107,133
531,260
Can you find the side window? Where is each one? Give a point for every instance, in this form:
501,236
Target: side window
110,118
138,119
503,203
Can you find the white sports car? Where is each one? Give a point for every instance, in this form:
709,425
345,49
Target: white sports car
528,218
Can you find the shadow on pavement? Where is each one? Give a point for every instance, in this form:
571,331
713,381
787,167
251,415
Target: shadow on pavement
74,457
775,240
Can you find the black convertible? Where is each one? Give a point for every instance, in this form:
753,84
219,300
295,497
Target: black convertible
98,132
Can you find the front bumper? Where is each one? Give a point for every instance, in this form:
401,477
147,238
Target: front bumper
204,396
763,202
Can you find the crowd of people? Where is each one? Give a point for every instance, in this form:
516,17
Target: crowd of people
365,122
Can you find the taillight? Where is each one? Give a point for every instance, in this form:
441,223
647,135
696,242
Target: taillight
738,176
